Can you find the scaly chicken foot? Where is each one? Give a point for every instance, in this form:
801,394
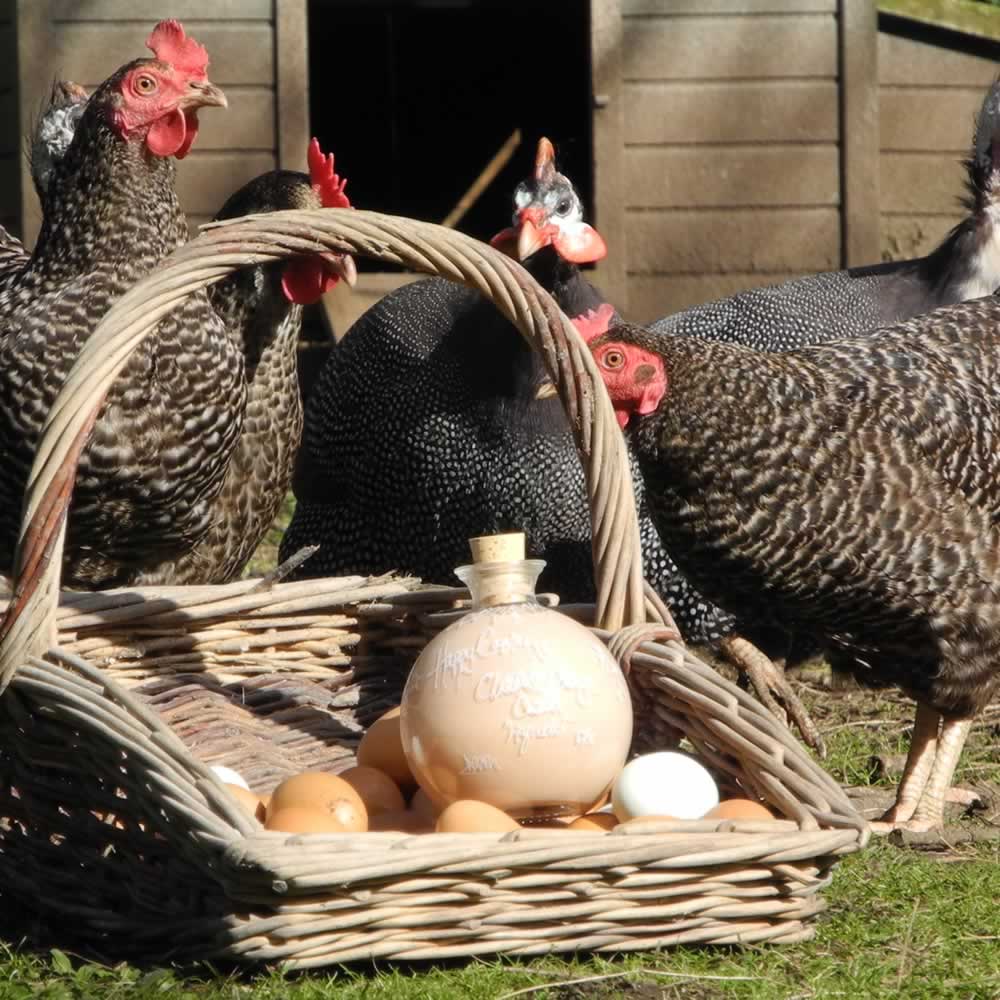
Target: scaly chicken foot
925,786
773,689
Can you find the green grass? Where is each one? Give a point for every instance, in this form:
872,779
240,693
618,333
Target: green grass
266,556
898,924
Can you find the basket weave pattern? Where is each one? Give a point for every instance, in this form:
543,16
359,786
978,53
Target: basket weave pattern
118,702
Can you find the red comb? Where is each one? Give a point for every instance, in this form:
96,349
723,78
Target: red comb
594,322
170,45
325,182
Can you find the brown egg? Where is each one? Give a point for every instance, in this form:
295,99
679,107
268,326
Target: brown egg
265,802
739,809
377,790
469,816
324,792
382,748
249,801
593,822
294,819
401,821
423,805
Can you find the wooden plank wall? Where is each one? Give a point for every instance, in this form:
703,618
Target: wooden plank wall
88,39
10,140
929,95
731,167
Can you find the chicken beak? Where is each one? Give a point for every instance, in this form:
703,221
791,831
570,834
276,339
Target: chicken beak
343,266
530,239
203,94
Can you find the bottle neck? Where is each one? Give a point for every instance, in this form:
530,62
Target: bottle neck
496,583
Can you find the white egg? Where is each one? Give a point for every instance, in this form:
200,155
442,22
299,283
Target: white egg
664,784
228,774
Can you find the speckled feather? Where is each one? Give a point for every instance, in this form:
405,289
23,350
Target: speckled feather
143,493
849,490
264,327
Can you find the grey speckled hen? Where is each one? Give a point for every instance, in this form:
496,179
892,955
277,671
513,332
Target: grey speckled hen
848,490
110,214
839,304
250,324
261,308
425,428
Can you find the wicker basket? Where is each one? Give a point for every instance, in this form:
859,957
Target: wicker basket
112,818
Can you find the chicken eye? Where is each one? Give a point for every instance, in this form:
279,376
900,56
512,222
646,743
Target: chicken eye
144,85
613,359
563,207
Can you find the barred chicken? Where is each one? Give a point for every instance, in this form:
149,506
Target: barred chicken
261,308
847,490
185,421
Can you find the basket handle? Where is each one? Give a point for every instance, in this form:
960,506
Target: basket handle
28,628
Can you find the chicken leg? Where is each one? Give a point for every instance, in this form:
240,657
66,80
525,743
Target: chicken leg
935,748
770,684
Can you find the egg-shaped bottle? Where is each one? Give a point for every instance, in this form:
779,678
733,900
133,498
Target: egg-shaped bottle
515,704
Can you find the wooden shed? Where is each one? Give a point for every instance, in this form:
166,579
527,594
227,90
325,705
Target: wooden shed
719,144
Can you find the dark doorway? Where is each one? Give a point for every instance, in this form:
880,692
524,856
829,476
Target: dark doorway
415,97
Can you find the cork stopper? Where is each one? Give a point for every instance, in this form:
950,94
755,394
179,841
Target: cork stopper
507,547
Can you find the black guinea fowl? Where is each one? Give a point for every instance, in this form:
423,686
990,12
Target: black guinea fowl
432,423
847,490
852,302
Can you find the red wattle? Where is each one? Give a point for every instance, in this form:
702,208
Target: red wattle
168,134
505,241
191,122
305,279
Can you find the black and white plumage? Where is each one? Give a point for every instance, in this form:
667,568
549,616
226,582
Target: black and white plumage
848,490
426,428
838,304
264,326
110,214
51,137
260,308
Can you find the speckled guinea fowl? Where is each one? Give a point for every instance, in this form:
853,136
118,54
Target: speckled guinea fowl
425,428
837,304
848,490
54,131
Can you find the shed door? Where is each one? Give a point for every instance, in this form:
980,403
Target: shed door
433,110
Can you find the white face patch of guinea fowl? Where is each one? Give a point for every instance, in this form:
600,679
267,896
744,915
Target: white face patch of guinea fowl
983,276
559,202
